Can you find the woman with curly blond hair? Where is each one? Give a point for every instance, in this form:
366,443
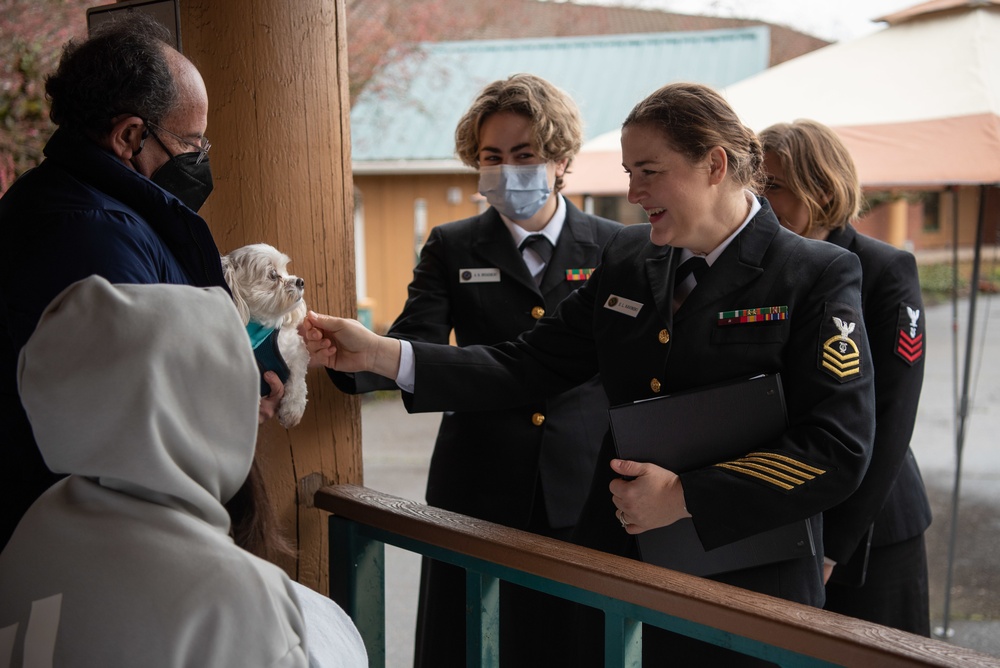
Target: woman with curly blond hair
487,279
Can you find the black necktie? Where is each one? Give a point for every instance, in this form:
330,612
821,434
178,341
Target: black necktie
693,265
542,247
538,243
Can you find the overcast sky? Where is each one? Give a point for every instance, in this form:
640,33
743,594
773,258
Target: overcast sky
834,20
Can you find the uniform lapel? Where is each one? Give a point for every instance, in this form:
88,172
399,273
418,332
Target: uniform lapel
495,246
575,249
741,263
844,237
660,274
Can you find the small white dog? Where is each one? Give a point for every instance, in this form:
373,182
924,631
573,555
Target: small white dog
268,297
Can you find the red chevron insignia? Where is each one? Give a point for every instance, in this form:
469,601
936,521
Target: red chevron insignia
910,348
910,325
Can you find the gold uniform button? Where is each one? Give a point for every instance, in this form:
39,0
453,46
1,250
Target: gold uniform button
537,419
654,385
537,312
664,336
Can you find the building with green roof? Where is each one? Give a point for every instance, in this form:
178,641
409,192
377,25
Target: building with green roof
408,113
406,176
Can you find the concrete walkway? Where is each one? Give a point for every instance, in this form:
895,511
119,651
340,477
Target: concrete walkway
397,450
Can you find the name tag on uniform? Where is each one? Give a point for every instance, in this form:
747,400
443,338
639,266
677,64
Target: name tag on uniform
622,305
487,275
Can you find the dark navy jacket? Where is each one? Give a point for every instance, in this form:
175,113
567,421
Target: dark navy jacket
647,351
487,463
892,494
80,212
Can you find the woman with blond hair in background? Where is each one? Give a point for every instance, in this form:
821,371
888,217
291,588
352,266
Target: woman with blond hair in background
876,562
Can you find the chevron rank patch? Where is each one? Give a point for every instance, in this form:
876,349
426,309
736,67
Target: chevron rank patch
910,340
840,341
777,471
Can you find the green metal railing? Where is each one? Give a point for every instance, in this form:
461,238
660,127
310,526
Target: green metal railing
629,593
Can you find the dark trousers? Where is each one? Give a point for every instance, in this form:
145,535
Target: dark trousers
895,592
659,648
531,623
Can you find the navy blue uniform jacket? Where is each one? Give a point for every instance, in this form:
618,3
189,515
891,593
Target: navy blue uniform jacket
486,463
820,349
892,494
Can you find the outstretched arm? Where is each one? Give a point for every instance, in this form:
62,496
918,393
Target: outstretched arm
355,348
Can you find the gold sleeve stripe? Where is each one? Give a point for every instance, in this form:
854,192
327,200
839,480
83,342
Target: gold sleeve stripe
787,460
778,470
765,478
770,471
777,465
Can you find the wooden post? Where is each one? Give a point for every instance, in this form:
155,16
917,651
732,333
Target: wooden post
276,74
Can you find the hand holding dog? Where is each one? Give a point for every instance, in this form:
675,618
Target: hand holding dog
268,407
354,348
320,351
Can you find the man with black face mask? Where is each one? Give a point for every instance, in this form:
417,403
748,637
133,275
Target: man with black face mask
186,175
116,196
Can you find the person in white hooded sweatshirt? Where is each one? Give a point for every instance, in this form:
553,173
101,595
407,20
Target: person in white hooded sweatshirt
146,395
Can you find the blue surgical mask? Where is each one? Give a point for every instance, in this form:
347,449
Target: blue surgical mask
516,191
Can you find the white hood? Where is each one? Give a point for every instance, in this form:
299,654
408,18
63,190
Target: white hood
147,394
160,436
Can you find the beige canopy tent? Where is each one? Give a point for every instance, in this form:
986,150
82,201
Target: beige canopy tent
918,104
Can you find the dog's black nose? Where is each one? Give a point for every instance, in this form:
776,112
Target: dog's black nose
299,283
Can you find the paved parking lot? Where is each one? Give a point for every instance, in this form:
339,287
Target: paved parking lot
397,450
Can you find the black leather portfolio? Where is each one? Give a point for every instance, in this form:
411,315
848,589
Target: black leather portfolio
697,428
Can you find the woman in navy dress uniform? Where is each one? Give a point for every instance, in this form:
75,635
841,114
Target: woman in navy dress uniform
526,465
874,541
693,168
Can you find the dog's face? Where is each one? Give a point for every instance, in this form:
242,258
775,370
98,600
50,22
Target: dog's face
262,288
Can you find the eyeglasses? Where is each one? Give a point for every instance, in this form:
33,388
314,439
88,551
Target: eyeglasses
202,144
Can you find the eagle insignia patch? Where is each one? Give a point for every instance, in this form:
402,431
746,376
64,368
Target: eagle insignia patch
840,341
910,338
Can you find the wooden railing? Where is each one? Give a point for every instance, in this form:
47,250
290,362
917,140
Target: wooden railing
629,592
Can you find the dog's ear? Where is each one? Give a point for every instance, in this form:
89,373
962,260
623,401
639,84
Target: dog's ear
229,273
